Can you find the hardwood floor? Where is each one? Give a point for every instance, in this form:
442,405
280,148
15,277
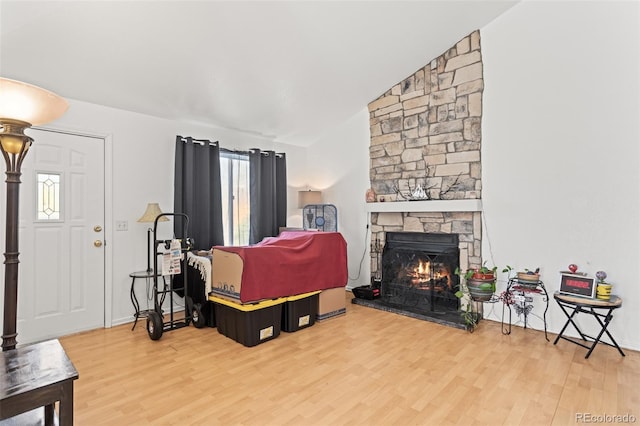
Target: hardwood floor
366,367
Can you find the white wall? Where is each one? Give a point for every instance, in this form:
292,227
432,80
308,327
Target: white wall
560,146
338,164
143,166
560,152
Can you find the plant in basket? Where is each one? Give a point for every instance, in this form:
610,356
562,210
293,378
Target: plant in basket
528,277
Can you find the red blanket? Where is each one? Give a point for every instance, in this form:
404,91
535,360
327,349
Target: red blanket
293,263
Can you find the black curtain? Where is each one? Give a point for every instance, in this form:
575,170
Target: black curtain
197,190
267,193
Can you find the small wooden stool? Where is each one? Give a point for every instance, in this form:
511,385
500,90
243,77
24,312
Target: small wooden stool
588,306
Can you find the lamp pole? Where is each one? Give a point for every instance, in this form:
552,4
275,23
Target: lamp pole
21,106
14,148
152,212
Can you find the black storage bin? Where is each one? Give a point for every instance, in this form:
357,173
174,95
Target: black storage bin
249,324
300,311
209,313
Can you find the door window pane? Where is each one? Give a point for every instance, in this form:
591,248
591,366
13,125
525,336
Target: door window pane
48,203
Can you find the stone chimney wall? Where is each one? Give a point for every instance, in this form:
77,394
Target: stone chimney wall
426,130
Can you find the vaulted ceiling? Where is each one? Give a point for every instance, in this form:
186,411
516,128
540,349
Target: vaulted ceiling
285,70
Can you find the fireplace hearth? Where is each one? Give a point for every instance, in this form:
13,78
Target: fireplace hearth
418,277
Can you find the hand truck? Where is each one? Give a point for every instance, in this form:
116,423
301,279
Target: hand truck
156,323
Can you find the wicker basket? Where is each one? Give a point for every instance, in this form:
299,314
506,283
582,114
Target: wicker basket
524,276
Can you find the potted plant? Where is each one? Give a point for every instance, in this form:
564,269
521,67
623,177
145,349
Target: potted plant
527,278
603,289
479,284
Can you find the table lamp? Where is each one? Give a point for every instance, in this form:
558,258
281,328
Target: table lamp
309,197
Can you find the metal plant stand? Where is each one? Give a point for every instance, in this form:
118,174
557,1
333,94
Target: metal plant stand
519,296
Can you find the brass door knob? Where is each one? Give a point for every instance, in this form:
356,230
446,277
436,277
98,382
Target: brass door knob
97,243
97,228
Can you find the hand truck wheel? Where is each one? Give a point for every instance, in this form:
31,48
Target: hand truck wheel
197,317
154,325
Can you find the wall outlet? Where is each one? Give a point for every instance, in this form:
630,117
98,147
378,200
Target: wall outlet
122,225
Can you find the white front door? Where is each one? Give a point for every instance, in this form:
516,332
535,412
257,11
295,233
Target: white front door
61,274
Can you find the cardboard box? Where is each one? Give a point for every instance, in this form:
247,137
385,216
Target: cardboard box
226,274
300,311
332,302
249,324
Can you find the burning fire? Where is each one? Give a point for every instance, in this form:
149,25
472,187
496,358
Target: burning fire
422,274
422,271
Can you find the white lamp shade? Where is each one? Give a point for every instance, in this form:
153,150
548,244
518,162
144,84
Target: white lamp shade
309,197
153,211
28,103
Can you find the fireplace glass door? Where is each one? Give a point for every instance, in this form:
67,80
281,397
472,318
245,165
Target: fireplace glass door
418,271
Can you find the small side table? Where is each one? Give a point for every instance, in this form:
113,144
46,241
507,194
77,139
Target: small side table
36,376
519,296
596,308
148,277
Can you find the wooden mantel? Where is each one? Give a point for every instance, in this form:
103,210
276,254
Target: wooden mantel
425,206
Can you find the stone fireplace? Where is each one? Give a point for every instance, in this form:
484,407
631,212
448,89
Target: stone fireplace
426,134
462,218
458,222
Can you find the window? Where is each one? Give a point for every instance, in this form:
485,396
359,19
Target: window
234,177
48,202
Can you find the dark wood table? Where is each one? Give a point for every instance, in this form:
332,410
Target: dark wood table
36,376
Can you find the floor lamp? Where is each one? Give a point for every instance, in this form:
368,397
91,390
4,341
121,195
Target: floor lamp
21,106
150,215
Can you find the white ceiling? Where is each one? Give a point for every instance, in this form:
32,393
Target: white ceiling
284,70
